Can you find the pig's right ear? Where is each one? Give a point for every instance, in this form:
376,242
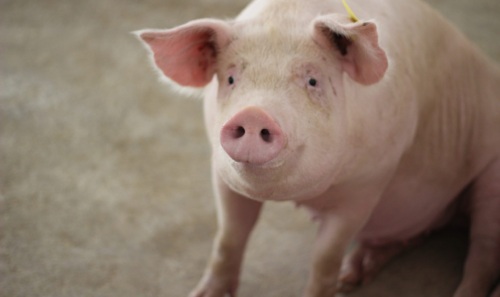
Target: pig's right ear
188,54
354,44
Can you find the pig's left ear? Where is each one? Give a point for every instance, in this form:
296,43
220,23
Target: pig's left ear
355,44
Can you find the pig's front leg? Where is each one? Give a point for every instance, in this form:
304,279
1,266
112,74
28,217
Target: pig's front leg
236,217
338,227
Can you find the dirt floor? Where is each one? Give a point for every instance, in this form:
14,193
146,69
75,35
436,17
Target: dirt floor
104,173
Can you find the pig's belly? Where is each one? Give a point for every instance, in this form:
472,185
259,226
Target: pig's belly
409,209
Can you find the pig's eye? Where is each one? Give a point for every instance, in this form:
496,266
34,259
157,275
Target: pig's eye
230,80
312,82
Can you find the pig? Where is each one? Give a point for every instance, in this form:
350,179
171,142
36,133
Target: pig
382,124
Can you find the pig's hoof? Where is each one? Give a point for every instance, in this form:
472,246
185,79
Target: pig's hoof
214,287
210,292
361,265
476,290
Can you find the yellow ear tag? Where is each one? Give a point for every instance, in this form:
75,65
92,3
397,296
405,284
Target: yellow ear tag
349,11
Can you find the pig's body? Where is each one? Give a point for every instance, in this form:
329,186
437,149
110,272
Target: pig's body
402,116
439,105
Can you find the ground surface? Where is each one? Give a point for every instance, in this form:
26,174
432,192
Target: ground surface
104,174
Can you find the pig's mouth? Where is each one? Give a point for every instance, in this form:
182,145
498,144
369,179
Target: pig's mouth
285,178
259,182
273,180
248,165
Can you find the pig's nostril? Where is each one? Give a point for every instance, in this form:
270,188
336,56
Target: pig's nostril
265,135
239,132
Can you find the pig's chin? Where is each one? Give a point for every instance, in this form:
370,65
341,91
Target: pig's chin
276,180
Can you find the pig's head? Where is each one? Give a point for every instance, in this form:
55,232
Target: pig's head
276,106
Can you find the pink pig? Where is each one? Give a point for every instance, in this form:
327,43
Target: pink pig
376,126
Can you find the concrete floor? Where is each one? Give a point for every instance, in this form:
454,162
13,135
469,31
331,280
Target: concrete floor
104,173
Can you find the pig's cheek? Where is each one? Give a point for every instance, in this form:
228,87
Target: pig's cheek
224,90
317,96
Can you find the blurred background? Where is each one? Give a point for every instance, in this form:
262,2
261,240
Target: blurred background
104,173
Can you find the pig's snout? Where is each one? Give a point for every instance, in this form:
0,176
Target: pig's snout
252,136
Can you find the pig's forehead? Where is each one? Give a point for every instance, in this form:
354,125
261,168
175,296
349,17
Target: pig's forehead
257,40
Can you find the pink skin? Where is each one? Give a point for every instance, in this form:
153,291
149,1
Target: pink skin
345,119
